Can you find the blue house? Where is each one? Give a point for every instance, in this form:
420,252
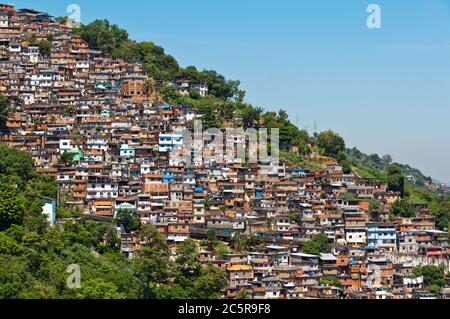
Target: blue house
168,178
259,194
382,235
199,190
298,172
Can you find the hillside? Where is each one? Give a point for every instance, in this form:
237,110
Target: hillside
225,104
87,182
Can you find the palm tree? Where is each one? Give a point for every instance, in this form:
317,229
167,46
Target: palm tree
238,243
211,240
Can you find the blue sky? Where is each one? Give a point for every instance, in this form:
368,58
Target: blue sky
386,91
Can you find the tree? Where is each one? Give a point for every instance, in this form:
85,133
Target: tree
441,212
330,281
403,208
66,158
210,283
62,20
253,242
187,261
251,116
387,159
126,219
15,278
98,288
153,268
169,94
238,243
294,217
4,110
331,143
433,277
346,166
100,34
211,240
227,90
45,48
194,95
221,250
396,179
14,162
150,235
317,245
12,206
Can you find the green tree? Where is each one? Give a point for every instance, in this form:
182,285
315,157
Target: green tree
187,261
98,288
317,245
331,143
434,277
212,240
149,86
12,206
150,235
252,242
440,209
126,218
169,94
345,162
403,208
220,87
294,217
330,281
66,158
251,116
45,48
4,110
14,162
62,20
238,243
153,268
210,283
396,179
102,35
221,250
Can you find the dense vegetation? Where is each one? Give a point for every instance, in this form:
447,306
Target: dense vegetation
434,277
34,256
4,110
319,244
115,42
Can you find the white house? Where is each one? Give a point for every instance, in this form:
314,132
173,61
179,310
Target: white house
168,141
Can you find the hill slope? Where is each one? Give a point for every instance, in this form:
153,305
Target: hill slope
225,106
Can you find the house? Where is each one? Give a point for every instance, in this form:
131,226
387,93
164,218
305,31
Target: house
382,235
167,142
238,277
49,210
328,264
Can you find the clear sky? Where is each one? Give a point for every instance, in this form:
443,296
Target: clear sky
386,91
